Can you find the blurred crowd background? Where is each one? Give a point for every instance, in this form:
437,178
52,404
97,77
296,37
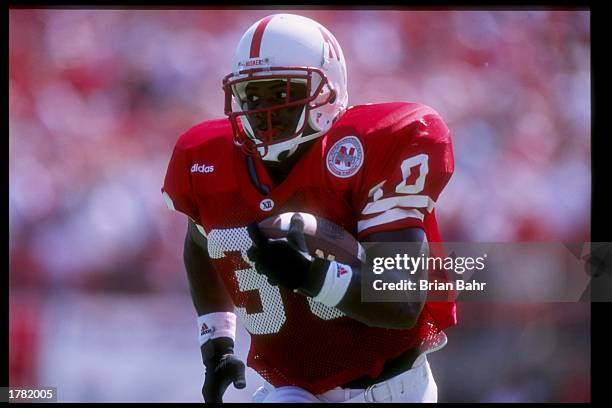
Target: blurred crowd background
98,295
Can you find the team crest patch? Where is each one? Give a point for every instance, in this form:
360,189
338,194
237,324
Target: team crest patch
345,157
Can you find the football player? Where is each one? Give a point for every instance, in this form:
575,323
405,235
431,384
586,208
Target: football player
290,142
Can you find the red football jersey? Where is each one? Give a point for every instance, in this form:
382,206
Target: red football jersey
381,167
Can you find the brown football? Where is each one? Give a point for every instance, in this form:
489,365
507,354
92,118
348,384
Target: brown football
323,238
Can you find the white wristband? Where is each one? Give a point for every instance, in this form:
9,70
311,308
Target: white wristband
337,280
214,325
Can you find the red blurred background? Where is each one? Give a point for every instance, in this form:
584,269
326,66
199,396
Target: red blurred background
98,296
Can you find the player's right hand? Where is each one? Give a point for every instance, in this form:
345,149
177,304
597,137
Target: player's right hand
222,369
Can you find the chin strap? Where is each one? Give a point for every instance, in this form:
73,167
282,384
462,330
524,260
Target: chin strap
275,150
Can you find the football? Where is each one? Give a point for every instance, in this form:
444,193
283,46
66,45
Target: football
323,238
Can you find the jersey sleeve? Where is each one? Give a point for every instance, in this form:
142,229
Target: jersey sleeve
177,189
404,173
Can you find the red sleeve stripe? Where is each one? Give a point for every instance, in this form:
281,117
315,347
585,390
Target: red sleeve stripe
257,36
394,226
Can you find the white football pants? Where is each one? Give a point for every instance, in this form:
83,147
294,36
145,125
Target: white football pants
414,385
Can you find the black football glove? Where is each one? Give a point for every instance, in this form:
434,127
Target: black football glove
286,261
222,368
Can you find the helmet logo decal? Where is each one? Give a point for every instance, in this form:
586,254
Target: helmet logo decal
257,36
345,157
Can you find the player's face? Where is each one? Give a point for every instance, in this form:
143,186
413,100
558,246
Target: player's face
282,122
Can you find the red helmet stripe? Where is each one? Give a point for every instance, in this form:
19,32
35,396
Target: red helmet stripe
257,36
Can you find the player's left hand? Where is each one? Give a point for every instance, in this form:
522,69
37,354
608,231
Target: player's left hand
222,369
285,261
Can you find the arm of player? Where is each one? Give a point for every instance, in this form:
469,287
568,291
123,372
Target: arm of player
394,315
275,258
216,318
207,291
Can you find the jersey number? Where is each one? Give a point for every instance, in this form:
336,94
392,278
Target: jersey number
419,161
272,317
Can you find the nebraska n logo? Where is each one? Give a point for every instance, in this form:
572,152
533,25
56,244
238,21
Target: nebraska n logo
345,157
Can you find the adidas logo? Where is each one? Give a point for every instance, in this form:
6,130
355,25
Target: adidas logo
205,329
202,168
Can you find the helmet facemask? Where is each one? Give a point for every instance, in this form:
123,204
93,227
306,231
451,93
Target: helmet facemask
258,131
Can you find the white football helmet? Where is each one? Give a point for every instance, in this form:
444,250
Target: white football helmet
294,49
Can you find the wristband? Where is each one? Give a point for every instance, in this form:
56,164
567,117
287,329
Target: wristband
214,325
337,280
